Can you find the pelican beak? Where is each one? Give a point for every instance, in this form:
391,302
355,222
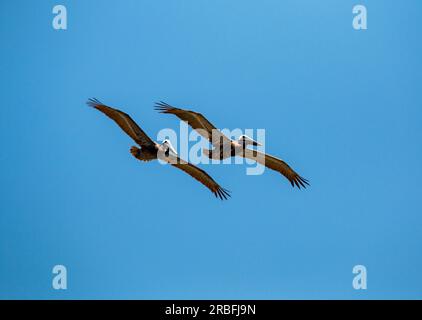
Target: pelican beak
256,144
172,149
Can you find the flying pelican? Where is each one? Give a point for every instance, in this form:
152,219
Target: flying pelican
151,150
225,147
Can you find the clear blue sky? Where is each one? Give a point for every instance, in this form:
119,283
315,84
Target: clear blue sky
343,107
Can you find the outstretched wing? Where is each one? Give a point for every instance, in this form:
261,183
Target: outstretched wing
197,121
124,121
277,165
199,175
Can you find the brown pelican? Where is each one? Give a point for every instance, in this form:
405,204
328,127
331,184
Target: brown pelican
151,150
225,147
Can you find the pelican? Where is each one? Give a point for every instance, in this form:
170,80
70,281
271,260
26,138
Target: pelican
225,147
150,150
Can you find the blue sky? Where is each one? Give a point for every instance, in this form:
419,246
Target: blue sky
343,107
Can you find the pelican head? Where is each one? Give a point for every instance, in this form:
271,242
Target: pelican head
168,146
245,140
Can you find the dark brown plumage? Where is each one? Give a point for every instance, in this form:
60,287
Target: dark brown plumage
150,150
198,122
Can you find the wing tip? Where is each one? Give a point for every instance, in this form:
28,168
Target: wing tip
299,182
93,102
222,194
163,107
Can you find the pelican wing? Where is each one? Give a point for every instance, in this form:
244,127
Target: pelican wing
199,175
277,165
124,121
197,121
